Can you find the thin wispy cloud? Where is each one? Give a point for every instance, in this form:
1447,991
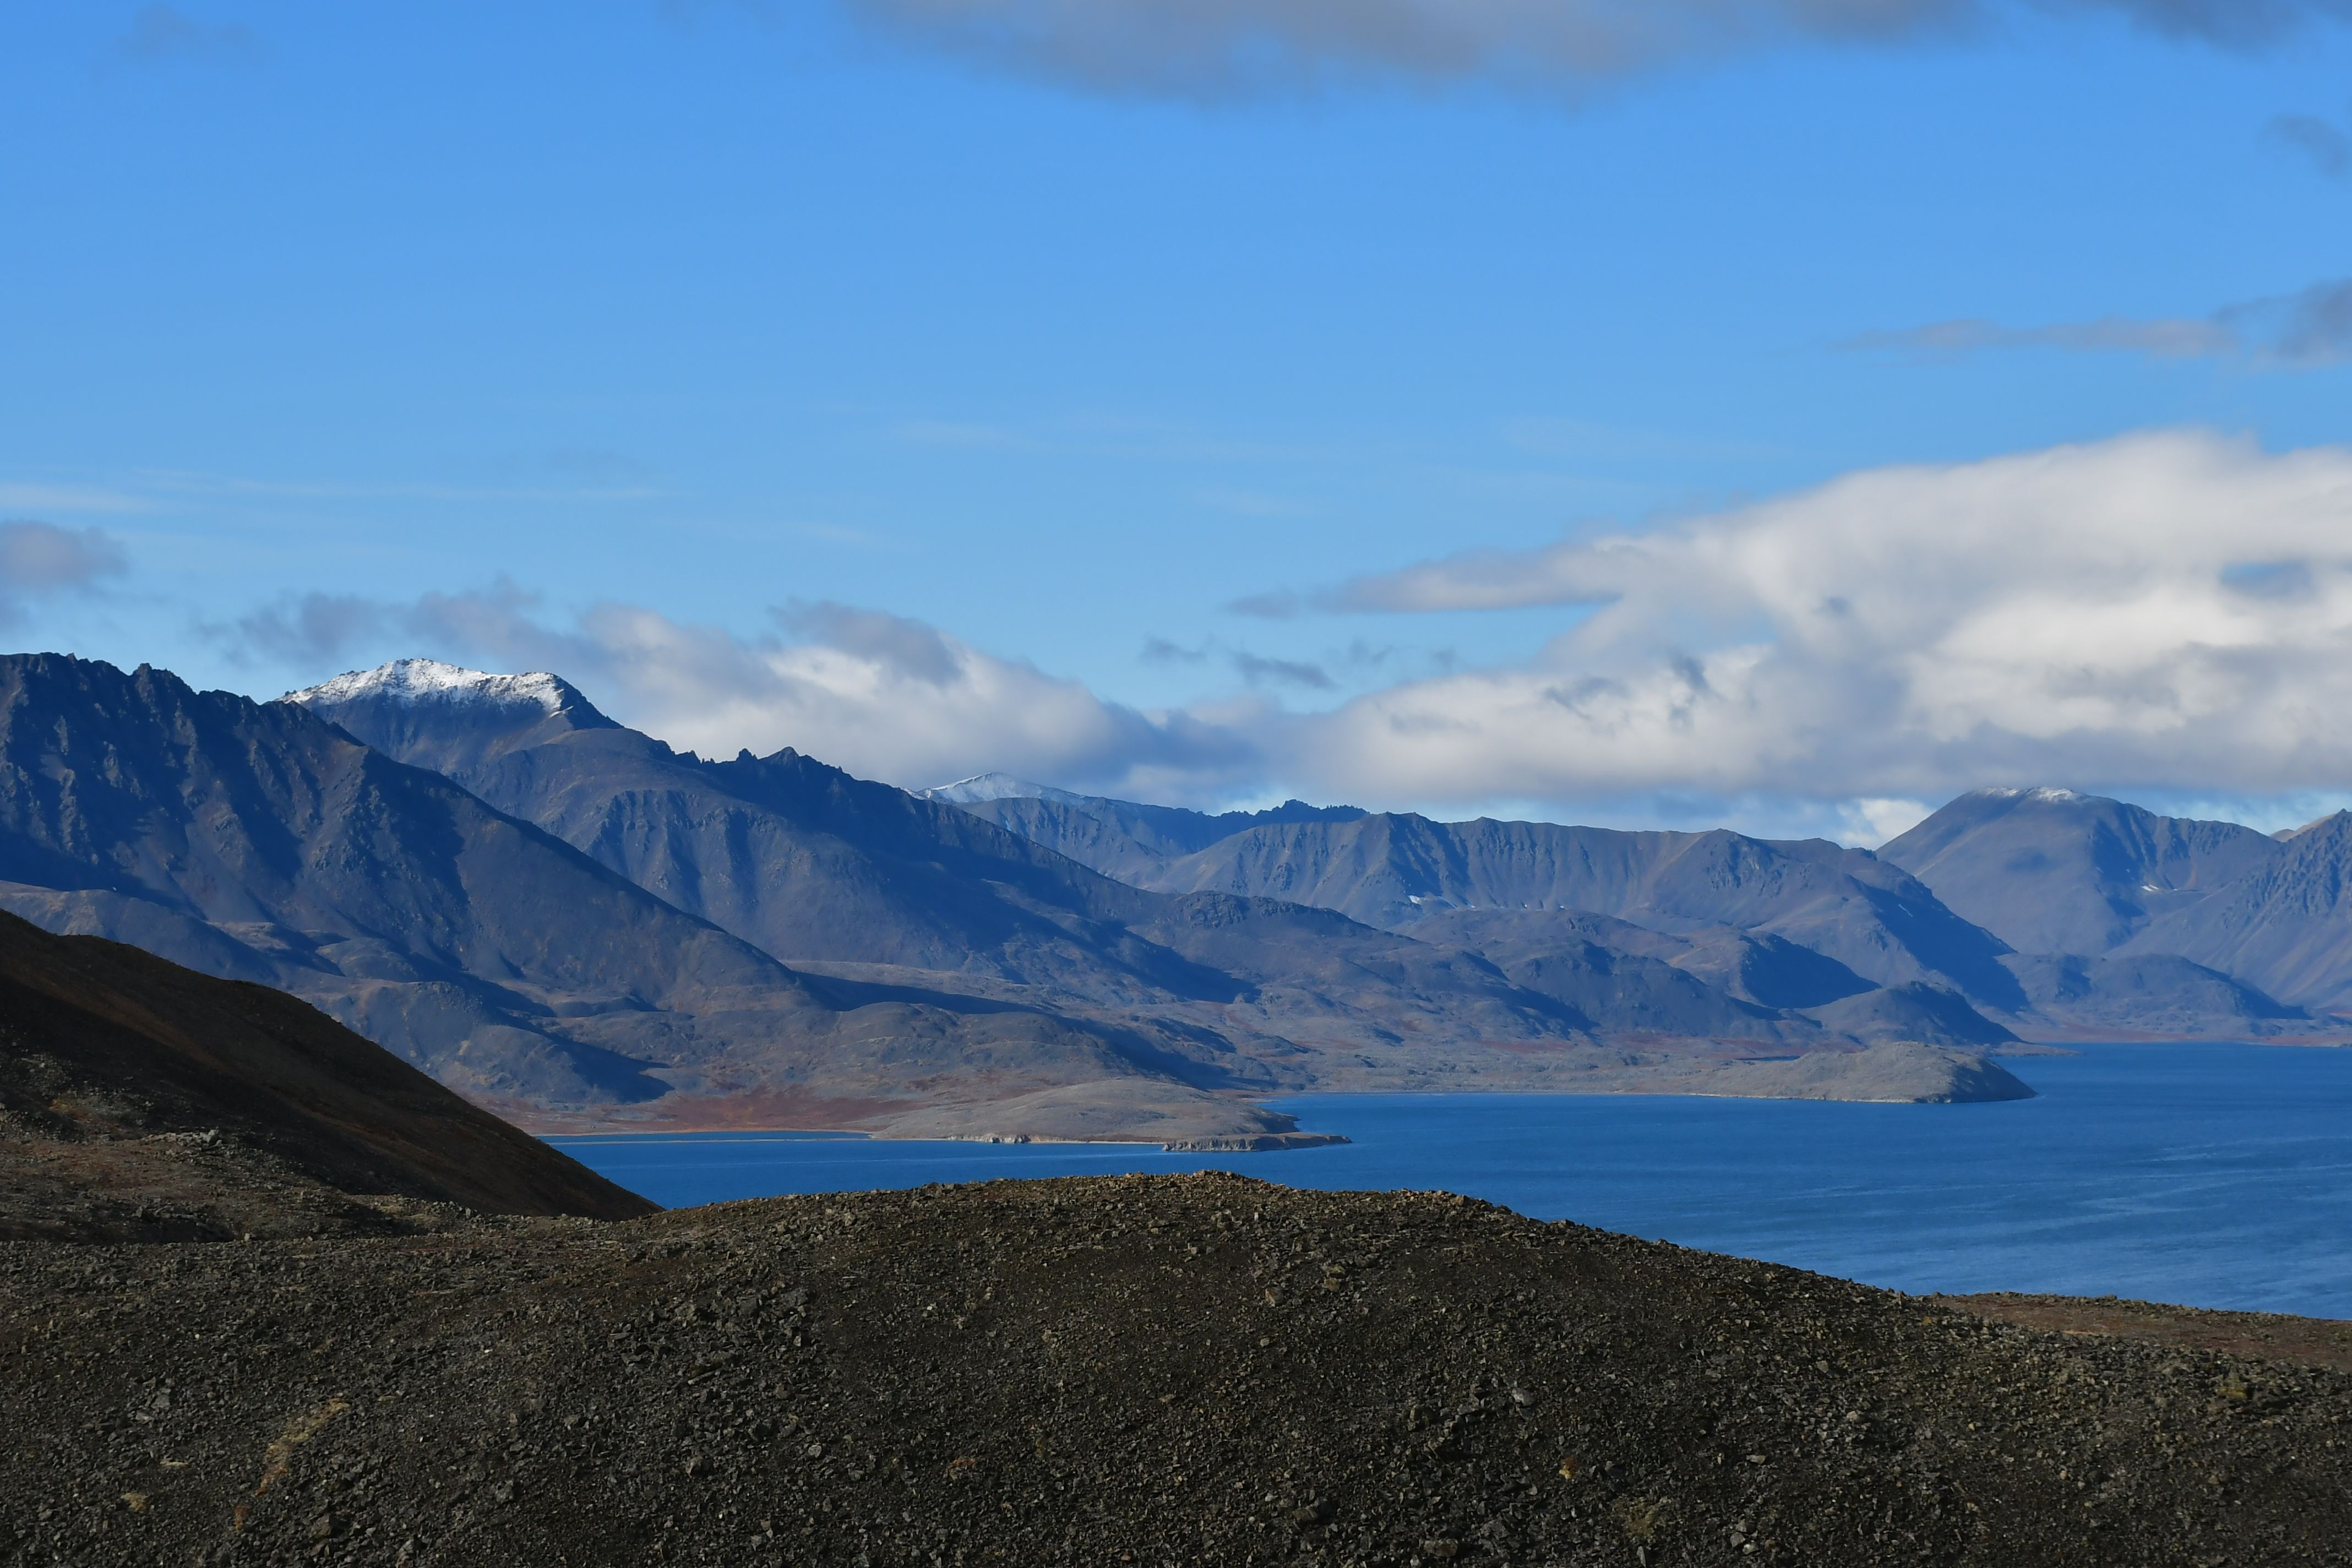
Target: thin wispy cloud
1277,605
65,499
1214,47
163,33
172,482
1160,650
39,560
2309,328
2326,144
1258,670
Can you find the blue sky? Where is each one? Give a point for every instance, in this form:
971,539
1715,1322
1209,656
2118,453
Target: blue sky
811,374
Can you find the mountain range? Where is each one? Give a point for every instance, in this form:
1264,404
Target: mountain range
576,924
2051,913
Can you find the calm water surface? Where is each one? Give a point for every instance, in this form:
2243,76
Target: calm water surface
2216,1175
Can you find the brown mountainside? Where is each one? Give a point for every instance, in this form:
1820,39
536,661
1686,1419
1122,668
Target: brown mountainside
127,1082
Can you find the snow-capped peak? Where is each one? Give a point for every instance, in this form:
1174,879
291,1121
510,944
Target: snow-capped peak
415,680
994,786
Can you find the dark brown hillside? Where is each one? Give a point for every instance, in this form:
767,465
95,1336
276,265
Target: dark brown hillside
1157,1371
123,1074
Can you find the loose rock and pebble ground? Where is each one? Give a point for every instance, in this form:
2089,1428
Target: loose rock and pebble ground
1201,1369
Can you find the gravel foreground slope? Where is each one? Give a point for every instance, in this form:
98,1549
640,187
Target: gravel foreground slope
1148,1370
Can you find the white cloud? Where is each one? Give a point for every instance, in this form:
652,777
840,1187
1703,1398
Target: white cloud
1197,46
2163,611
884,696
2166,616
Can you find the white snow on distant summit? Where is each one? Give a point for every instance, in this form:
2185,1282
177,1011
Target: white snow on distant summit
415,680
994,786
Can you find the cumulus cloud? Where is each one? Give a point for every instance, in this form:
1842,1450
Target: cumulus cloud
2169,611
2312,327
2166,616
39,559
884,696
1211,46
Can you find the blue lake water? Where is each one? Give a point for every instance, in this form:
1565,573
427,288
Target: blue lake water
2213,1175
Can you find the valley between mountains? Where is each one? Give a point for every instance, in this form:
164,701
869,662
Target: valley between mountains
576,926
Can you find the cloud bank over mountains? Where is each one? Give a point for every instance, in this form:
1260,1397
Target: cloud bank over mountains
2171,609
884,696
2163,612
1207,47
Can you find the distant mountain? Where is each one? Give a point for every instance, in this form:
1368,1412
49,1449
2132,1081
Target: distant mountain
259,842
1393,870
2050,871
870,884
814,865
1117,837
1567,958
2284,926
1708,981
2125,994
146,1101
566,920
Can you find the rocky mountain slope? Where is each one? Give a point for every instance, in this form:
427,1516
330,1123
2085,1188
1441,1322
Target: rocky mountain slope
2051,915
2127,921
2051,870
2284,926
1392,870
1789,926
870,884
1194,1369
1121,838
259,842
140,1100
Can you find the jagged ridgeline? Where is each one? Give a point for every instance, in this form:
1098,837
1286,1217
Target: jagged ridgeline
573,922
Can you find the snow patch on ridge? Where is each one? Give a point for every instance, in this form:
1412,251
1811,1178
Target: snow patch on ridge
414,680
995,786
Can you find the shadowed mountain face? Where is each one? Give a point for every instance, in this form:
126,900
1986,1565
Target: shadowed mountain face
1705,984
1565,957
1393,870
872,884
794,856
1121,838
812,865
2048,870
2285,926
121,1074
260,842
2127,994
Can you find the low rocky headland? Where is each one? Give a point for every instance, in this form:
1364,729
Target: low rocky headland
1167,1370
